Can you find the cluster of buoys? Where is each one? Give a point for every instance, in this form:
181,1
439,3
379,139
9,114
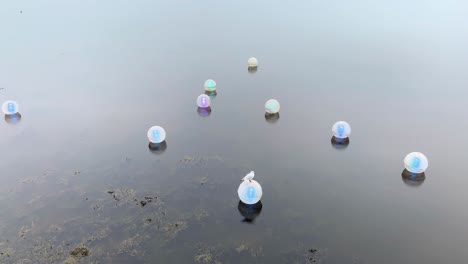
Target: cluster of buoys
250,191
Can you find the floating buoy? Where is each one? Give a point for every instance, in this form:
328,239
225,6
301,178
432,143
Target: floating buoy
156,134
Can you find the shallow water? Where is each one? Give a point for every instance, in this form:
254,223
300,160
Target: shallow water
92,77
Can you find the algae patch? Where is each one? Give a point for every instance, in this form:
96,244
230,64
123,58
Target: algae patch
79,252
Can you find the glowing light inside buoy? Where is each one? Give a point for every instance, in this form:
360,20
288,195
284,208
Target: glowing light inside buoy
272,106
156,134
341,129
10,108
250,192
210,85
416,162
203,101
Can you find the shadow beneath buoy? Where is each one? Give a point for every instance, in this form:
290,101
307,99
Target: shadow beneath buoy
204,112
252,70
339,143
272,118
211,94
13,119
249,211
413,179
157,148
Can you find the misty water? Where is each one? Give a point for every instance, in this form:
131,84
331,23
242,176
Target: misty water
80,184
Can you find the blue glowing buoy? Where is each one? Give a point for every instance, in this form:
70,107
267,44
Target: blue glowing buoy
156,134
272,106
10,108
416,162
341,129
250,191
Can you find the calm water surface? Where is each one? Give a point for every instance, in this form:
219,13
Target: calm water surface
92,76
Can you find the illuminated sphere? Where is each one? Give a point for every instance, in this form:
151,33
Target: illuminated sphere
203,101
272,106
210,85
253,62
250,192
156,134
10,108
341,129
416,162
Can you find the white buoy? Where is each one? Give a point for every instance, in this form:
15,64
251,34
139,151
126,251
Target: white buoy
341,129
203,101
416,162
252,62
250,191
10,108
272,106
210,85
156,134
